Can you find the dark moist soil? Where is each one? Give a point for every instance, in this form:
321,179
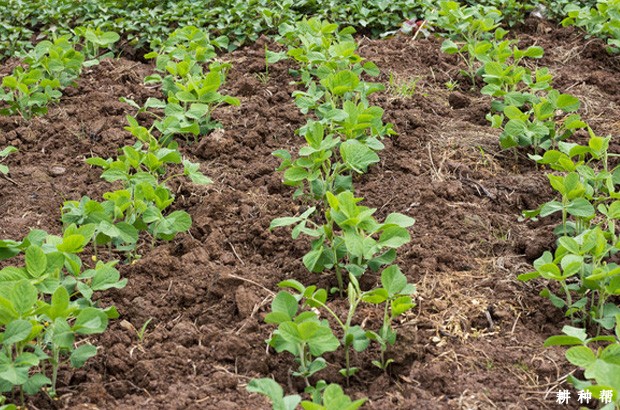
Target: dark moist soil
475,339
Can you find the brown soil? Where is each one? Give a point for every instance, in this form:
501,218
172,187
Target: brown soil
473,342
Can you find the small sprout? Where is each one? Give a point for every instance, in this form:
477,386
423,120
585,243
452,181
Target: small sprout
3,154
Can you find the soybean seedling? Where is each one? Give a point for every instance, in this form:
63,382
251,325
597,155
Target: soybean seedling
3,154
395,294
271,57
327,397
351,240
95,40
47,304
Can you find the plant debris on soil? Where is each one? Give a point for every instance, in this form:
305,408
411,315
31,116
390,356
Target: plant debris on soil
475,339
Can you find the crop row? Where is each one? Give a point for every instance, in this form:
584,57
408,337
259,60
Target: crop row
342,138
600,20
49,68
145,21
535,116
46,303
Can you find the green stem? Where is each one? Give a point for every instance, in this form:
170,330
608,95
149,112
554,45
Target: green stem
347,349
302,362
55,366
602,297
569,300
331,312
338,274
564,215
170,177
347,326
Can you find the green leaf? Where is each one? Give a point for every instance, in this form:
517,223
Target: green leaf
273,57
24,296
7,311
401,220
292,284
354,243
401,305
72,244
274,392
357,155
356,337
35,383
568,103
562,340
317,299
62,334
312,260
60,303
106,277
7,150
36,261
320,338
128,233
12,274
580,207
524,277
283,308
285,221
534,52
580,356
375,296
177,221
571,264
199,178
14,374
449,47
550,208
341,82
569,244
16,331
295,174
394,237
80,355
334,399
393,280
576,332
384,259
371,69
90,321
356,270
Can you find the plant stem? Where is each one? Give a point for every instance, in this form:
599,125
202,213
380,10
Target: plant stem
564,215
338,274
347,363
55,366
569,300
331,312
302,362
